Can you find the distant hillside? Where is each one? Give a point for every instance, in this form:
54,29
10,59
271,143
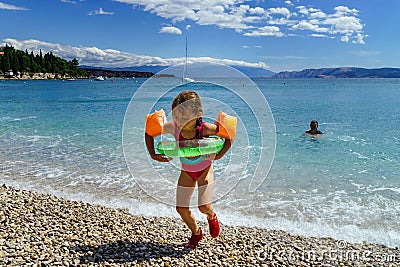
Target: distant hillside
255,72
147,69
251,72
346,72
94,72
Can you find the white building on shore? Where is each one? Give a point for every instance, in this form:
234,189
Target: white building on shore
9,74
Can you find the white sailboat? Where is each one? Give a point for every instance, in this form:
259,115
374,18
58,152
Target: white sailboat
186,79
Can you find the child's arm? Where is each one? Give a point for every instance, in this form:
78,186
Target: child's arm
150,147
225,148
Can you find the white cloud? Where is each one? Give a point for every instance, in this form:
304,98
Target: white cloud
313,10
282,21
69,2
11,7
344,10
359,39
320,35
289,3
249,19
280,11
265,31
96,57
217,15
254,46
318,15
343,23
229,62
75,2
257,11
345,38
100,12
306,25
170,30
303,10
231,14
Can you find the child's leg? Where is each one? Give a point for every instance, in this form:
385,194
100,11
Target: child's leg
184,191
205,184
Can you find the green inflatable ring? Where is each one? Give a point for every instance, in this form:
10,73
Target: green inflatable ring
191,148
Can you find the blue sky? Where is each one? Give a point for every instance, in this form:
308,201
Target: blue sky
273,34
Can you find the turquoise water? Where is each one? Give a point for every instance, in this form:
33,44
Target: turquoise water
65,138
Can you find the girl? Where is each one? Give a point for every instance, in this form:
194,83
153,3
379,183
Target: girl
188,125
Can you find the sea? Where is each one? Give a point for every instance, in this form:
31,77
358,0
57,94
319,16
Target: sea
83,140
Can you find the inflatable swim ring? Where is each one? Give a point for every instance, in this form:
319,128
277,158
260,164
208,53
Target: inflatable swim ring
191,148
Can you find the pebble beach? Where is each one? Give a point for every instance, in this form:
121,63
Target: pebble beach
45,230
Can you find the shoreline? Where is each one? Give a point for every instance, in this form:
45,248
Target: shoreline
42,229
42,79
39,76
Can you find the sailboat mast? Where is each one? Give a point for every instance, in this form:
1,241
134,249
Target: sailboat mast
184,74
185,69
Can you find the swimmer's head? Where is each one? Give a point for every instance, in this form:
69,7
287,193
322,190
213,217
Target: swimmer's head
314,124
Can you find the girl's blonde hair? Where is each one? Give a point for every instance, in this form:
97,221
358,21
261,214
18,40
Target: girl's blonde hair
194,104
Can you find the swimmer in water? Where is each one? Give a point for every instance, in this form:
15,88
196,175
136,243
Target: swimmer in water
314,128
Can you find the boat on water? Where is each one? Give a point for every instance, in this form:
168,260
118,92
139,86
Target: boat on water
186,79
99,78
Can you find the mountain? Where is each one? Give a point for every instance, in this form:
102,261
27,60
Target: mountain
145,68
251,72
345,72
255,72
95,72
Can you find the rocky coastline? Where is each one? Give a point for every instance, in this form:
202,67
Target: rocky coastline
45,230
92,73
38,76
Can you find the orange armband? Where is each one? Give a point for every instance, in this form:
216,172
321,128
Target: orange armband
226,125
155,123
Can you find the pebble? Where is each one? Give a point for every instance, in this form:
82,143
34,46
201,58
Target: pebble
44,230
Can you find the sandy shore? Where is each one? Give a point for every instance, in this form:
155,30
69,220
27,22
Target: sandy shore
44,230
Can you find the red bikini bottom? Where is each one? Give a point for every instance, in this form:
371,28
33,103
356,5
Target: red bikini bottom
195,175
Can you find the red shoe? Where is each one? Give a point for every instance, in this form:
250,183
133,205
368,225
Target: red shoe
194,240
213,225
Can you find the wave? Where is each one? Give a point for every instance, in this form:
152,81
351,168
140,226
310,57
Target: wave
10,119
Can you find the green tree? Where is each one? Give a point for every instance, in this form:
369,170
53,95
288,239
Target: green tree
4,62
20,61
75,62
